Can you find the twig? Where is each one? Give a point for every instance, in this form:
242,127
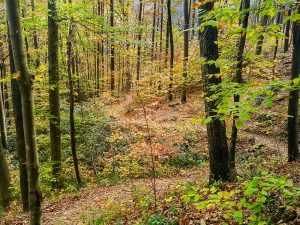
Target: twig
154,188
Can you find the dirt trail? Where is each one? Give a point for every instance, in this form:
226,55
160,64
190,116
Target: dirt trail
69,209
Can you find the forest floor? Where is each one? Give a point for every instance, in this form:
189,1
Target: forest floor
157,118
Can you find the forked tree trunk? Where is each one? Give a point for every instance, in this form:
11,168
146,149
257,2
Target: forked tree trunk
25,85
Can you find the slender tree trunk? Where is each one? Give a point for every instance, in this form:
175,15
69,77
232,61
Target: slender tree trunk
293,112
72,101
54,106
185,49
161,42
239,79
25,85
287,33
153,31
2,112
170,91
35,39
216,129
3,124
278,18
138,67
112,48
261,38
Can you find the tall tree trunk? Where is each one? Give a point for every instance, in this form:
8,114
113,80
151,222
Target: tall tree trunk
25,85
185,49
239,79
2,109
54,106
112,48
170,91
287,33
293,119
216,129
21,149
72,100
138,65
161,42
153,31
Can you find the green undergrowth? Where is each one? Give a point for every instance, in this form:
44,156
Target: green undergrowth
264,199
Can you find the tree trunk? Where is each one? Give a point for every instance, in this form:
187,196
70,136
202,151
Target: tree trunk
170,91
260,41
17,109
4,180
2,113
112,48
287,33
239,79
138,66
293,120
54,106
25,85
185,49
216,129
72,101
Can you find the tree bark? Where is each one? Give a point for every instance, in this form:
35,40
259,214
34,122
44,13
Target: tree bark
293,119
216,129
25,85
54,105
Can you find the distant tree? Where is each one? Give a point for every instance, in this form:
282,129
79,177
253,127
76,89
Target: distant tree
170,32
185,48
139,45
216,129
